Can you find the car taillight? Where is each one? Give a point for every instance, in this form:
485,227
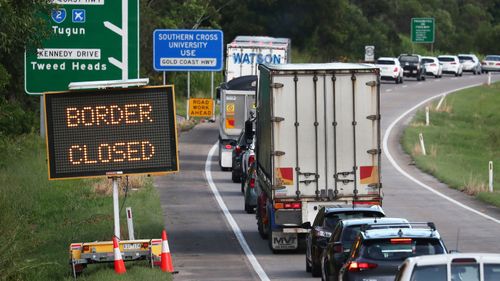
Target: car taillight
433,64
396,69
401,241
288,205
86,248
251,184
359,266
453,63
338,249
251,159
145,245
498,63
237,149
228,146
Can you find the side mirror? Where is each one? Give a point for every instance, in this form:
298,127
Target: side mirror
306,225
248,131
217,93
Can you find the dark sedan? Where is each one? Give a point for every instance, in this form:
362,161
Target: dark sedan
322,228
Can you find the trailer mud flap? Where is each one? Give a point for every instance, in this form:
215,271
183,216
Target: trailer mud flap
284,241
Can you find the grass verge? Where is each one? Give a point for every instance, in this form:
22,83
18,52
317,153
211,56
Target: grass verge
463,136
39,219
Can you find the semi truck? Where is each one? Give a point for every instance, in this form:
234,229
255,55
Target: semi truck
237,95
317,144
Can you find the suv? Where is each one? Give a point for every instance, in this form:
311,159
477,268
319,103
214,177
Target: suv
451,65
412,66
470,63
469,266
377,253
340,243
324,223
390,69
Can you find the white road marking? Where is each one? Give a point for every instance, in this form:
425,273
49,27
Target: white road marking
419,83
388,90
234,226
397,167
404,86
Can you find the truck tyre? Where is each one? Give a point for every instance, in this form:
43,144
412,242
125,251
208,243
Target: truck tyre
248,209
234,177
260,225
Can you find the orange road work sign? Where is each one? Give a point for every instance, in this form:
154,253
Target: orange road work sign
201,107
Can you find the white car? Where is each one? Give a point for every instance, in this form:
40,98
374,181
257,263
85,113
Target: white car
451,65
470,63
491,63
451,267
390,69
433,66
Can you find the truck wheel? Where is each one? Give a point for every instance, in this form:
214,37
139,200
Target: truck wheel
249,209
260,225
234,177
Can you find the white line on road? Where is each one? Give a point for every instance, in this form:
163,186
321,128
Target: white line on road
234,226
397,167
404,86
388,90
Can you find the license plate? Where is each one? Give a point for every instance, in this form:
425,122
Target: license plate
285,241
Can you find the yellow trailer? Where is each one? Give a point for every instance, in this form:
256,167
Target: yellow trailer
82,254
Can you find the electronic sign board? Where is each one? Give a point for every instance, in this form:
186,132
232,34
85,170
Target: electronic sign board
94,132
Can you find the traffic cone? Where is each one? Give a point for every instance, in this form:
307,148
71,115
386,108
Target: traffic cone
166,258
119,264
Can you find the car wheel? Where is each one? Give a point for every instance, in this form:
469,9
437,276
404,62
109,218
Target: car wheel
308,266
456,74
234,177
423,77
419,78
315,268
243,185
396,80
248,209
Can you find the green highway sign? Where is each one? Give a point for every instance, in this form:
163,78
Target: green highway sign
422,30
90,40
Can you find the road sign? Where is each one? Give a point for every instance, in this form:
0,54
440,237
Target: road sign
422,30
187,50
94,132
89,41
369,53
201,107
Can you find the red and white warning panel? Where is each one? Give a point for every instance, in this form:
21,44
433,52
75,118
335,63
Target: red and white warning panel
94,132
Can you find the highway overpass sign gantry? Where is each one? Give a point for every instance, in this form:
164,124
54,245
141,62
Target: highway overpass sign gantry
90,40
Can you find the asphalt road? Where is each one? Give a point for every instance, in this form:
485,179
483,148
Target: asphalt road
201,237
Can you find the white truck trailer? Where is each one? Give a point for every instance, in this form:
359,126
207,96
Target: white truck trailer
317,144
237,95
244,53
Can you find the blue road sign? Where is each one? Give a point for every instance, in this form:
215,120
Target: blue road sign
78,15
187,50
58,15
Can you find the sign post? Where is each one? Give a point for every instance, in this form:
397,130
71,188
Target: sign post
90,41
369,53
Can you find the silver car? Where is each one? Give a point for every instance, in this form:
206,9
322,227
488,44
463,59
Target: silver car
470,63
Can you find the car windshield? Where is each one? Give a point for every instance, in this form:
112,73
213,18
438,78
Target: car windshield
427,60
429,273
388,62
395,249
465,58
408,58
492,58
333,218
446,59
491,272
